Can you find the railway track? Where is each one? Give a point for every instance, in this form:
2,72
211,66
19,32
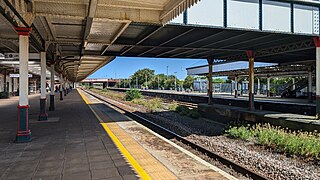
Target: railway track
172,135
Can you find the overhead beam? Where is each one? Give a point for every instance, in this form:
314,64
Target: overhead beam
10,46
142,40
120,31
168,41
89,21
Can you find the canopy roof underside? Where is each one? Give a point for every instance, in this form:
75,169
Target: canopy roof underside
82,36
175,41
75,33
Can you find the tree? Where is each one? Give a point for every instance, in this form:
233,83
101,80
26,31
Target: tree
143,75
218,80
188,82
157,81
169,82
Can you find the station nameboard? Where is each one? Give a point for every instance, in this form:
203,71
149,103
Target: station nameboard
17,75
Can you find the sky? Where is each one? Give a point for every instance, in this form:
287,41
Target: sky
123,67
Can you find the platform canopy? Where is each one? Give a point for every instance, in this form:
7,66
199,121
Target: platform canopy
240,68
175,41
76,32
82,36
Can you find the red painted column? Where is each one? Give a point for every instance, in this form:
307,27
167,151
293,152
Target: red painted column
251,55
23,132
317,44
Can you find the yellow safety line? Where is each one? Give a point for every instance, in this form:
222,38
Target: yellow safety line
86,100
123,150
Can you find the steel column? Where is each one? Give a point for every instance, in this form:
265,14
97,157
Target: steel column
5,88
268,86
185,17
64,87
23,132
225,13
61,88
251,55
317,44
260,15
236,86
310,84
10,86
52,108
43,99
210,62
15,86
258,88
318,81
293,84
292,17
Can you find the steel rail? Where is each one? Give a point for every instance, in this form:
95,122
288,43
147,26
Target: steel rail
171,135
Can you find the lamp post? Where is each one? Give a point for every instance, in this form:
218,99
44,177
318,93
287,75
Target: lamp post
167,72
137,83
146,81
158,82
175,81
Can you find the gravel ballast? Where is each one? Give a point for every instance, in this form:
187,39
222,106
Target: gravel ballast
206,133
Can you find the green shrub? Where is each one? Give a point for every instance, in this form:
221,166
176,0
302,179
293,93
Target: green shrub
240,132
104,90
185,111
306,144
132,94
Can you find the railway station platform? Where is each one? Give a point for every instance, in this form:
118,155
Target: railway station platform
72,146
83,140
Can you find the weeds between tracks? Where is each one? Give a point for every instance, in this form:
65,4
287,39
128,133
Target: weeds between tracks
306,144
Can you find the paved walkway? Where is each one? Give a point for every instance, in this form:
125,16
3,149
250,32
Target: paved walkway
76,147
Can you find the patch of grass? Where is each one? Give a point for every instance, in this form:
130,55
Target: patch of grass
132,94
173,106
152,105
306,144
111,94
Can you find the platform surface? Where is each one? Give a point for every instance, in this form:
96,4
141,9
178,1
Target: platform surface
87,139
258,98
75,147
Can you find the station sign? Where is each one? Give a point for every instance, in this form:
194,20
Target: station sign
17,75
